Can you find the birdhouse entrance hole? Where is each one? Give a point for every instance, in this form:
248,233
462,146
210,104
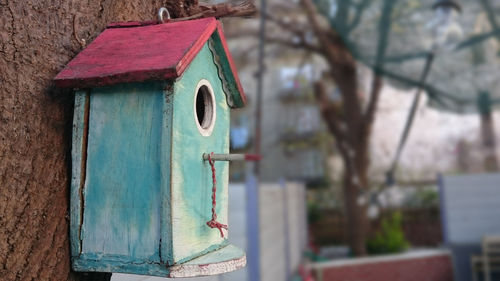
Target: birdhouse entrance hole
204,107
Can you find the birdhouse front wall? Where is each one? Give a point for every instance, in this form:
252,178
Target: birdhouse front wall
118,162
191,175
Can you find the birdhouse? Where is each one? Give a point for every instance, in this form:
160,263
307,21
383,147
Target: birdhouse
152,101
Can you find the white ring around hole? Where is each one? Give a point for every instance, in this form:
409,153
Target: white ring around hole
208,130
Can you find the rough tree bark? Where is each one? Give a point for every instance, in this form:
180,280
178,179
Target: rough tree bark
37,38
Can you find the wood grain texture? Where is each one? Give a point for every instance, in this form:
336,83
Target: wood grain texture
123,207
191,175
224,260
166,247
136,54
146,195
78,153
123,180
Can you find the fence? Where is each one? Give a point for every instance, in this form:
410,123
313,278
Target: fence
470,204
283,229
422,227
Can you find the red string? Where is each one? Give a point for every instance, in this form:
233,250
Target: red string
213,223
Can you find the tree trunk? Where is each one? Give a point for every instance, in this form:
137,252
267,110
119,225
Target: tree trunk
355,185
352,143
356,218
489,142
348,121
37,38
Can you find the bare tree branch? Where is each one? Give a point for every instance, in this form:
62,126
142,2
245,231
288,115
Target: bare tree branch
384,28
360,8
372,102
181,10
332,116
298,30
330,111
288,6
299,43
291,26
295,45
342,69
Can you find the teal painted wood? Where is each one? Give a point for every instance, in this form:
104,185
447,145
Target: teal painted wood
77,151
140,190
230,83
119,264
166,246
123,180
191,176
226,259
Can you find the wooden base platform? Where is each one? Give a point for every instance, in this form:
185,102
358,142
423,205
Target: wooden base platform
224,260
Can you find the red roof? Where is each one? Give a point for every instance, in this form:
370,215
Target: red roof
134,52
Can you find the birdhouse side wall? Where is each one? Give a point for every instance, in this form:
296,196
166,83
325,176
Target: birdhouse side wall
191,201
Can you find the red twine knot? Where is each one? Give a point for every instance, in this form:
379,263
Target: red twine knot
213,223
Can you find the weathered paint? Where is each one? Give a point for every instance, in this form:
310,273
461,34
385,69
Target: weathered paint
227,259
224,260
136,52
191,175
123,181
227,69
166,246
77,153
140,189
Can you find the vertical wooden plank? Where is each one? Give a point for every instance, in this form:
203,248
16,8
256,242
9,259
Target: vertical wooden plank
272,227
237,227
305,232
123,181
78,158
252,214
296,222
166,160
286,228
442,208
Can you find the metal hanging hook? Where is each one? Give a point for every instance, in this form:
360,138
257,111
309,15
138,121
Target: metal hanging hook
161,12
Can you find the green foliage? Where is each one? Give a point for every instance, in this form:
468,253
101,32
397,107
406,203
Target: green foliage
313,213
424,198
319,183
390,238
